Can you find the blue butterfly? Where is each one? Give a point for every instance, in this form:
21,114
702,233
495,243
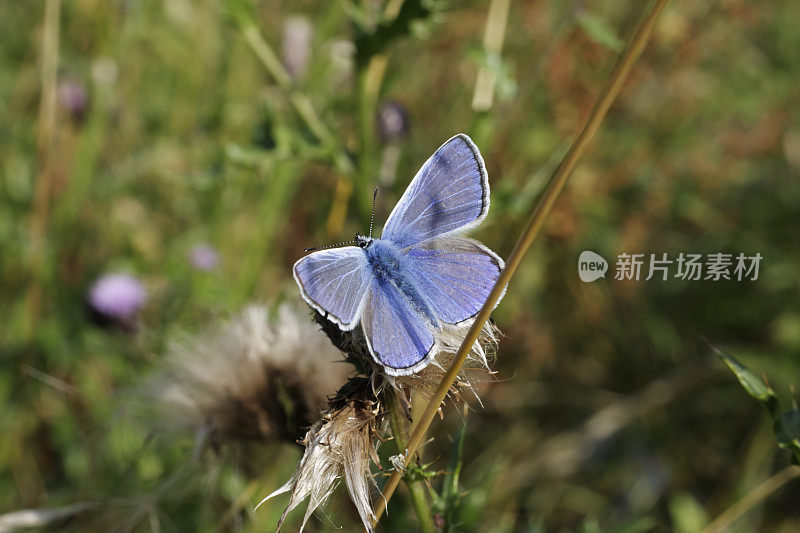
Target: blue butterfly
420,276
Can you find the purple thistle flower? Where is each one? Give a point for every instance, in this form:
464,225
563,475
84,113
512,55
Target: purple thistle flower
74,98
117,297
204,257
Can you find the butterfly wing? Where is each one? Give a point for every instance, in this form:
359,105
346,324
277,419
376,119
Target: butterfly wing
450,193
456,274
398,337
335,283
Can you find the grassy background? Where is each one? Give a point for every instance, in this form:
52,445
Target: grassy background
187,139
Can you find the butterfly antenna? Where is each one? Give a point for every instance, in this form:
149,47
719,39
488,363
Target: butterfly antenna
371,221
372,218
315,248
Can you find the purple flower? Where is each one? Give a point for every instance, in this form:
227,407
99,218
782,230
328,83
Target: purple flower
117,296
392,121
74,98
204,257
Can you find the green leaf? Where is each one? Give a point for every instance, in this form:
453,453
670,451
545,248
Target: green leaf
450,485
754,386
415,472
370,44
240,11
450,492
600,32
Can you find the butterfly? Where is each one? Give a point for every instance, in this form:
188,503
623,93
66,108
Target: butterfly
421,275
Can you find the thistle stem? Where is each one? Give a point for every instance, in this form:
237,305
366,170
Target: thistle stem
416,488
590,126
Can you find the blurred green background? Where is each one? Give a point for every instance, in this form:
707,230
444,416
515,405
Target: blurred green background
170,129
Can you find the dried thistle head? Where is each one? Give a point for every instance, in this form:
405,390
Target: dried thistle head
252,377
340,444
475,369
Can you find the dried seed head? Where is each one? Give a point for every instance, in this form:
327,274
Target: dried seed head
249,378
343,441
340,444
475,369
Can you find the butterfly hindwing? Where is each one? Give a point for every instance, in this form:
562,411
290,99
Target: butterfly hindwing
398,336
456,274
450,193
335,283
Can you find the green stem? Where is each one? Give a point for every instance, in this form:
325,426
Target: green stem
300,102
493,43
276,198
46,132
370,79
416,488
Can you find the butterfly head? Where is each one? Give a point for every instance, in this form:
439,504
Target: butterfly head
363,241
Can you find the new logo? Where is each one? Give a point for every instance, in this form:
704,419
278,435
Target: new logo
591,266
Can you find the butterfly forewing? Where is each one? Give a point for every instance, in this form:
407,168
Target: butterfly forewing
335,283
450,193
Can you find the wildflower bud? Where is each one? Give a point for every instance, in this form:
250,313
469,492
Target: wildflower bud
74,99
117,298
392,121
204,257
297,36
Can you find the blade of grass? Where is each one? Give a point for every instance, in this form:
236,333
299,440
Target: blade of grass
753,498
299,101
46,144
276,200
590,126
370,82
493,43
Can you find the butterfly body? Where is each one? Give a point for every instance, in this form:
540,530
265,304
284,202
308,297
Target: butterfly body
421,275
390,265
